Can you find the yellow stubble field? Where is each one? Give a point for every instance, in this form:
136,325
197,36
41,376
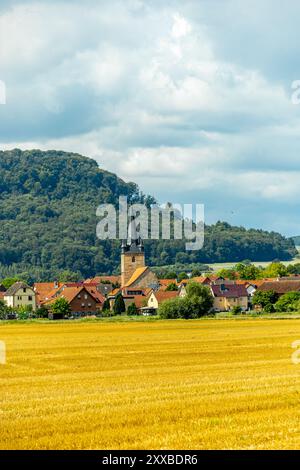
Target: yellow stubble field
208,384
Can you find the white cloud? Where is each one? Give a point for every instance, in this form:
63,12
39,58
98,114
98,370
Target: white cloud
155,92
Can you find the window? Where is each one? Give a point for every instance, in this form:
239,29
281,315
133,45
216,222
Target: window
30,298
85,296
24,290
79,296
133,259
89,305
82,305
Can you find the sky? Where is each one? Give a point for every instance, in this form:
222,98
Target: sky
191,100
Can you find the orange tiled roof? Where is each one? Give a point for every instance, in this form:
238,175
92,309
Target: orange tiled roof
201,279
161,296
45,290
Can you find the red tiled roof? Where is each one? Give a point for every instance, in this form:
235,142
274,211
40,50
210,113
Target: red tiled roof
94,293
229,290
98,279
69,293
280,287
138,300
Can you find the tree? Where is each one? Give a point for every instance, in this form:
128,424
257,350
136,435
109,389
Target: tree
275,269
42,312
68,276
294,268
265,299
170,275
9,281
182,276
196,273
248,271
288,302
197,303
61,307
172,287
132,309
106,306
227,274
119,305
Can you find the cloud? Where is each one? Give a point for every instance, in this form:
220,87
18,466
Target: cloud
173,95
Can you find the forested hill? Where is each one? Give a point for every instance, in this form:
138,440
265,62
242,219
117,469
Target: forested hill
48,221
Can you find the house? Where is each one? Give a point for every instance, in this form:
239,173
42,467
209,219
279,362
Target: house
227,296
204,280
20,295
45,290
81,301
280,287
156,298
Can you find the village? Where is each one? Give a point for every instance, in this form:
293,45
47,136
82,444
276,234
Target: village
139,289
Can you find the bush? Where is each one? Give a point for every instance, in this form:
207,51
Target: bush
197,303
172,287
132,309
236,310
25,313
42,312
269,308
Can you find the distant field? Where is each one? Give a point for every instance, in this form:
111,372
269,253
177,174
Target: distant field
158,385
218,266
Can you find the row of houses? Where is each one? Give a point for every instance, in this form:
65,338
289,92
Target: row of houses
138,285
88,297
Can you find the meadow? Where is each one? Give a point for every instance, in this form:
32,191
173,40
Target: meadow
206,384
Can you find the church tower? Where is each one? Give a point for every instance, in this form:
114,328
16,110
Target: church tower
132,255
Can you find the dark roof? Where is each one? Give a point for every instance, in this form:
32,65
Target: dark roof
15,287
280,287
229,290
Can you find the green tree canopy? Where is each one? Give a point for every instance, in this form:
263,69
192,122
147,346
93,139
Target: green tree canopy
172,287
288,302
61,307
197,303
132,309
119,305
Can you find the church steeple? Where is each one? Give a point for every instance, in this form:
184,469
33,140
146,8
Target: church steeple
132,253
134,244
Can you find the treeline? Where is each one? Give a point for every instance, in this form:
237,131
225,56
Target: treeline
48,222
